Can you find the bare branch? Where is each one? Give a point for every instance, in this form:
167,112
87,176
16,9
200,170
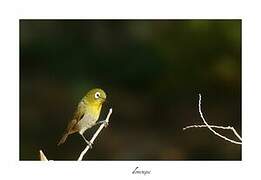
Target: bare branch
42,156
204,126
210,127
235,132
95,135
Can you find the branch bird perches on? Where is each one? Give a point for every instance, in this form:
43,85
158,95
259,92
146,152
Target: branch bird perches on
106,121
104,124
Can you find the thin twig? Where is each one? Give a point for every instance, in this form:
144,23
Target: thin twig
95,135
203,126
210,127
213,126
235,132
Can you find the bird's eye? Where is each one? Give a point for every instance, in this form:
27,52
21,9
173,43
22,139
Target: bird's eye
97,95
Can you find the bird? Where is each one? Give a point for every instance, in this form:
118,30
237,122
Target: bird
86,114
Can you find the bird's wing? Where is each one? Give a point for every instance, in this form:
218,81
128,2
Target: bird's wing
78,115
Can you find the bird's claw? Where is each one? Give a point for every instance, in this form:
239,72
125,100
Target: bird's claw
90,144
106,124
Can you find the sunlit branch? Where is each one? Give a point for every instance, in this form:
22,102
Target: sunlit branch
95,135
210,127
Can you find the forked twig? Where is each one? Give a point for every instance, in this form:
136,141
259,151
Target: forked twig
210,127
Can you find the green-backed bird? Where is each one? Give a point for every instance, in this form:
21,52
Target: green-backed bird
86,114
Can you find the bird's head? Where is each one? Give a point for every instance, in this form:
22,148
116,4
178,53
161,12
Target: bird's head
95,96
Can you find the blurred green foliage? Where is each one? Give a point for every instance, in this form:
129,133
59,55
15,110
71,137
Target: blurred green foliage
152,71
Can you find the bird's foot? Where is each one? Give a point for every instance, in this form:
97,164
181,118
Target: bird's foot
88,142
103,122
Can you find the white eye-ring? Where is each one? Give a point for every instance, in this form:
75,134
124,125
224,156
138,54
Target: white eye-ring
97,95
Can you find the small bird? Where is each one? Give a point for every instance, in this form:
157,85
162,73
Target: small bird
86,114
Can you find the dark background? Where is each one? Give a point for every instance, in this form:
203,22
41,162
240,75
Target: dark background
152,72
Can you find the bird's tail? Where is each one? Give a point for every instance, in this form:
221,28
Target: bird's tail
63,139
